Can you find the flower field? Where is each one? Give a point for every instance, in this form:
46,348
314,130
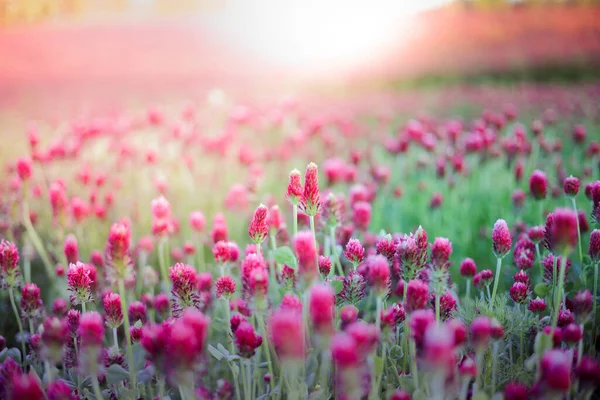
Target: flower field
426,246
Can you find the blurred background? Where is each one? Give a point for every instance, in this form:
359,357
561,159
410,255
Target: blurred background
62,57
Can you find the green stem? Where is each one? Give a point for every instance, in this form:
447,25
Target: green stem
49,377
116,339
231,347
578,231
479,362
161,262
125,306
295,219
494,364
539,260
594,299
468,288
200,254
83,308
266,348
336,257
96,387
35,239
496,279
437,308
161,388
558,294
11,294
312,229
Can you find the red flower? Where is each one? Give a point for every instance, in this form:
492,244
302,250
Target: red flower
481,330
417,294
70,249
310,202
519,292
538,185
571,186
361,216
197,221
354,251
286,332
594,249
324,265
112,309
304,247
468,268
501,238
258,229
555,368
537,305
80,283
441,249
246,339
225,286
378,273
294,189
322,308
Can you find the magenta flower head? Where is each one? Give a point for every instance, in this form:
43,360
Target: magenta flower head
441,249
516,391
219,230
246,339
561,231
286,331
225,286
60,307
259,229
310,202
119,240
322,308
483,278
24,168
582,306
197,221
556,371
185,282
537,305
324,266
186,341
501,238
361,215
400,394
54,337
354,252
438,348
291,302
481,331
221,251
137,312
571,334
79,283
60,390
519,292
538,185
468,268
31,303
348,315
25,386
344,351
571,186
70,249
161,305
9,263
294,189
594,249
536,234
588,372
378,270
91,334
417,294
304,247
113,310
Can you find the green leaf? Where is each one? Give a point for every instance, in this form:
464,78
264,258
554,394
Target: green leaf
3,354
285,255
15,354
542,290
378,361
139,357
337,286
396,352
115,374
222,349
215,353
480,396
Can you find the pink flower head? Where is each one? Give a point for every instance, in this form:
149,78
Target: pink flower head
219,230
90,330
588,372
521,276
161,304
258,229
361,215
137,312
516,391
501,238
420,320
275,219
59,307
438,348
161,209
31,302
378,273
561,230
333,207
304,247
25,386
79,283
571,186
310,202
54,337
246,339
481,331
571,334
441,249
519,292
468,268
467,367
582,305
386,246
579,134
322,308
187,338
60,390
112,309
184,290
344,351
556,371
354,251
392,316
291,302
197,221
524,253
518,199
255,277
119,239
70,249
221,251
286,331
417,294
594,249
324,265
24,168
538,185
294,189
225,286
537,305
348,314
400,394
536,234
365,335
483,278
9,262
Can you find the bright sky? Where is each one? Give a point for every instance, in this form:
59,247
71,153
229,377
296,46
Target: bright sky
315,34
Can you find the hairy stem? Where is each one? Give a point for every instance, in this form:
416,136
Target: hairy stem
496,279
11,294
125,306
